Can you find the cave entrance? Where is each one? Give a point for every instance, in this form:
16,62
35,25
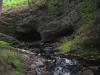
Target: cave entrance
29,36
66,32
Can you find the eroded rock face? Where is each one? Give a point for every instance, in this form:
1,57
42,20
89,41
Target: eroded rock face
48,26
52,25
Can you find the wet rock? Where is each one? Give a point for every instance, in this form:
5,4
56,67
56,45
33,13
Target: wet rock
64,66
36,50
43,49
34,64
40,68
86,72
48,50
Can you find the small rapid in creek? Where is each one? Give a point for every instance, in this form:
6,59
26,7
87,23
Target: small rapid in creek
64,66
45,61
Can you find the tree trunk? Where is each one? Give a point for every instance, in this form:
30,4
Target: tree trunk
0,7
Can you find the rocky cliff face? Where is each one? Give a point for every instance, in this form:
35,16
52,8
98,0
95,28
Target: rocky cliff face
61,22
47,26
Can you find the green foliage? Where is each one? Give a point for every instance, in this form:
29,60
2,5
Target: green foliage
3,43
13,3
65,46
88,10
11,56
51,5
14,58
83,44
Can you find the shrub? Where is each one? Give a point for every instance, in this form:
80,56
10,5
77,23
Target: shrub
88,10
13,58
51,5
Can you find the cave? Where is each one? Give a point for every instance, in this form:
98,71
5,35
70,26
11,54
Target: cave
66,32
29,36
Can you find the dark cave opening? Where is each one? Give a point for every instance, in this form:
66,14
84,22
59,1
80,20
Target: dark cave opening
66,32
29,36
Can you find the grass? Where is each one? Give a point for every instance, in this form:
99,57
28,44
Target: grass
65,46
12,57
13,3
9,6
85,48
84,43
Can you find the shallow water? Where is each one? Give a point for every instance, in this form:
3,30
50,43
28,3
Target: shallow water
65,66
59,64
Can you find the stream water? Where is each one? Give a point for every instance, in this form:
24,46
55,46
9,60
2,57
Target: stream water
60,64
67,66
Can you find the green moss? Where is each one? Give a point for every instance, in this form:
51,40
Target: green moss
65,46
3,43
14,58
51,5
88,10
13,3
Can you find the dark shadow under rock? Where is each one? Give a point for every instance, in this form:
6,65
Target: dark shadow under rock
29,36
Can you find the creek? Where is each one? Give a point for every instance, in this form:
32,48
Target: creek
59,64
